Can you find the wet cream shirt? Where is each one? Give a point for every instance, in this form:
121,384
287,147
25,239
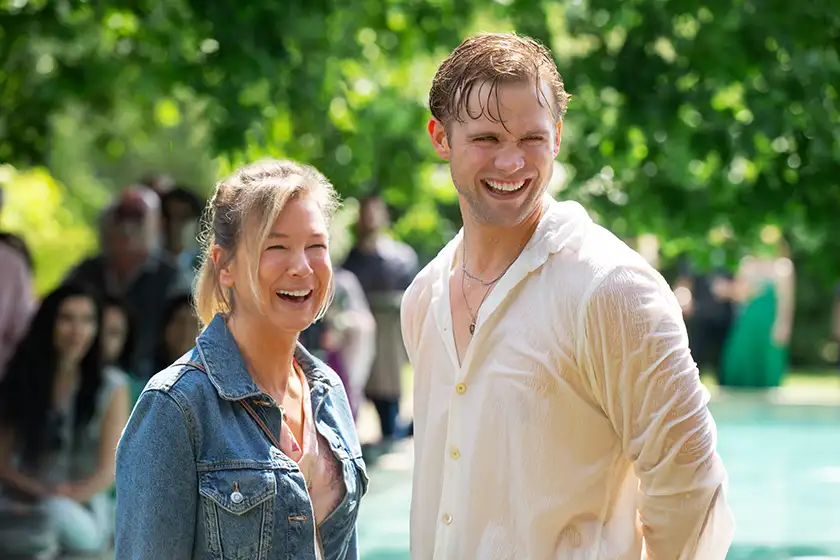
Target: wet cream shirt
576,426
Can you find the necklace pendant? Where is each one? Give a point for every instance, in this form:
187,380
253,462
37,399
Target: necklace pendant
472,328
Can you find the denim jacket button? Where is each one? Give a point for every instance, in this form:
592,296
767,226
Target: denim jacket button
236,497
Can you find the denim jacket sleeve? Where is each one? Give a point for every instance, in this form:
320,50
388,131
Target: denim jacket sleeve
353,548
156,482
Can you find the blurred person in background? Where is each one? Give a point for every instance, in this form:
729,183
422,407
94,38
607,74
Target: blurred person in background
755,354
133,266
708,309
181,213
384,267
246,447
179,329
118,341
558,410
61,414
160,183
349,336
17,299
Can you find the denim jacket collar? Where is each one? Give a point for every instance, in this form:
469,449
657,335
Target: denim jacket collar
226,368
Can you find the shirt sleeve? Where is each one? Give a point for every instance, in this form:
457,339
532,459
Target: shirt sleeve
409,319
639,366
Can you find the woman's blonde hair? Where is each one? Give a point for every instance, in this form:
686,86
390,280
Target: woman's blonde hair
241,213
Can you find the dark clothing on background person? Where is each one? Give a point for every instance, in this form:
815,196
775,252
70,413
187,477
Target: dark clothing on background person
385,270
709,324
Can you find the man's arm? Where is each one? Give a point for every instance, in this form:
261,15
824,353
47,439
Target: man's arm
638,363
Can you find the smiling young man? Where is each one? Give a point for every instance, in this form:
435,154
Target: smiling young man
558,411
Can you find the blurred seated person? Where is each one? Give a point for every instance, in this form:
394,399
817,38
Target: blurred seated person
133,266
181,213
61,415
180,329
117,340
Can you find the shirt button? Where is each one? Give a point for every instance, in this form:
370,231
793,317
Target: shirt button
447,519
454,453
236,497
461,388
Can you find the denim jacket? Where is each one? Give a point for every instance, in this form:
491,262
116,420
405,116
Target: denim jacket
198,478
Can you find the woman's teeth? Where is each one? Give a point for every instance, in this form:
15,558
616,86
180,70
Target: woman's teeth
294,295
506,186
297,293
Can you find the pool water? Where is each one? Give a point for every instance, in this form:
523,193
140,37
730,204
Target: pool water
784,467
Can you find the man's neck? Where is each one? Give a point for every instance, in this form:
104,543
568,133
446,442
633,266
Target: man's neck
490,250
368,243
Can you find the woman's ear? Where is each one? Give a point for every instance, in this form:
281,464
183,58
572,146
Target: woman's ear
223,266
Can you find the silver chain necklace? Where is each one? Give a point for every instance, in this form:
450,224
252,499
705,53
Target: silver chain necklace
487,284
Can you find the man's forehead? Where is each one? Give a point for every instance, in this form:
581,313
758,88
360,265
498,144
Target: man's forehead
488,103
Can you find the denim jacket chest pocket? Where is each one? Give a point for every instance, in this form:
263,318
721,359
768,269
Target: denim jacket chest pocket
238,507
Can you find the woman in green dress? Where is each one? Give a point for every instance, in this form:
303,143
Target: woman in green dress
756,351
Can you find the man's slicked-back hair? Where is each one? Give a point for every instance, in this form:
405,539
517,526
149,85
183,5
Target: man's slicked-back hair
487,60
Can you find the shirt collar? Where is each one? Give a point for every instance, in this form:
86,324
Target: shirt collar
226,368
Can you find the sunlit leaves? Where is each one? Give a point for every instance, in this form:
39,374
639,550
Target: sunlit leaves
39,209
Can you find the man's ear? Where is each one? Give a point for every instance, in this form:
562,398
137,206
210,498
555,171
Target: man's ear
439,137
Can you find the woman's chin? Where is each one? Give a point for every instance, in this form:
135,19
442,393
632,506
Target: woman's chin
284,323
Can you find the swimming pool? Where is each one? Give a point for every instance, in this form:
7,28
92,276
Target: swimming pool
784,467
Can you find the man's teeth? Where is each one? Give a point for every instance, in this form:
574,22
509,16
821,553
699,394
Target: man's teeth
297,293
505,185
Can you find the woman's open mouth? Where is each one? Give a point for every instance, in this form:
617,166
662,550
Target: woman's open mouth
294,296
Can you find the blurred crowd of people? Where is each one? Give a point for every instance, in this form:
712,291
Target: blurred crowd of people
73,363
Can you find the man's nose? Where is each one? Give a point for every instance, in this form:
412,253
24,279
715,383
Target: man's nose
510,159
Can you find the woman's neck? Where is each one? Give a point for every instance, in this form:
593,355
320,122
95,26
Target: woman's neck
67,369
267,354
66,381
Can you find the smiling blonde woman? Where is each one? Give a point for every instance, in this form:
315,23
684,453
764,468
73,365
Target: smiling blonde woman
246,446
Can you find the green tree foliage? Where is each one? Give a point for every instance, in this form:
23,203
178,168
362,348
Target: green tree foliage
711,113
50,222
688,119
686,115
